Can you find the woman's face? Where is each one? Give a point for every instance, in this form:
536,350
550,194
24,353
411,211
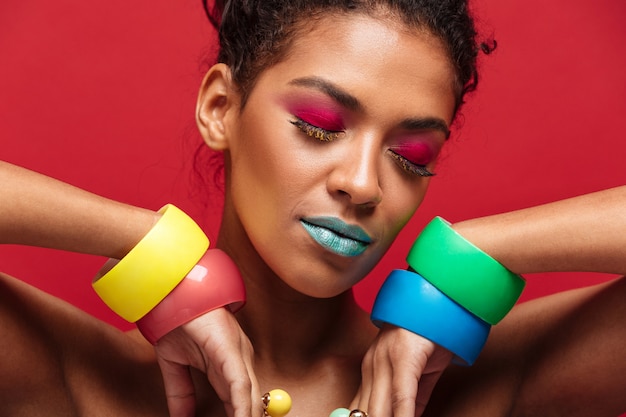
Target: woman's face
330,155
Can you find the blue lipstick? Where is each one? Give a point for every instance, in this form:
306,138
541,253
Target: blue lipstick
336,235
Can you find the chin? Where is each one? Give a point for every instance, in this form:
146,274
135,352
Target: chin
323,293
329,286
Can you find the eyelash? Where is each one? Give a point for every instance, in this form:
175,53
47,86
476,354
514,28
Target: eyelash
409,166
315,132
324,135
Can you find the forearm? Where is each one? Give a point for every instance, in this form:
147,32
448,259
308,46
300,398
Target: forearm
37,210
586,233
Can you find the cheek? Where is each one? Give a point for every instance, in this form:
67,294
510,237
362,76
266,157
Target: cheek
266,172
255,151
402,202
252,175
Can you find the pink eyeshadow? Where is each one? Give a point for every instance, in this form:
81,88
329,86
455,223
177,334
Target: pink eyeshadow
420,153
320,117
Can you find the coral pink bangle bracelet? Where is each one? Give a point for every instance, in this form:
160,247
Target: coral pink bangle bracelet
214,282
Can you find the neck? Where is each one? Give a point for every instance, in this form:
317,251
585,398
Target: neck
284,325
312,347
301,329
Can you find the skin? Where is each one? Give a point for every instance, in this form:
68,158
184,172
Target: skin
276,175
71,226
349,178
301,329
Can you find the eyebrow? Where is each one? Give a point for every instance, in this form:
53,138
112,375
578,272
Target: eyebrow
427,123
340,96
350,102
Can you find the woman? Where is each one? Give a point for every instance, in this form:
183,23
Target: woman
311,143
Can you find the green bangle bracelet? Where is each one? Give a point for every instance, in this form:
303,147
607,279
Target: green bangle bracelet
464,273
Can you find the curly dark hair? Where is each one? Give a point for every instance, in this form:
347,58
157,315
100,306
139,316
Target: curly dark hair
254,34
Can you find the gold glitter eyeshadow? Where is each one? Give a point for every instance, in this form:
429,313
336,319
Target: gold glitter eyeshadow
409,166
315,132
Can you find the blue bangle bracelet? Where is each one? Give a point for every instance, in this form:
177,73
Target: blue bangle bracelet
409,301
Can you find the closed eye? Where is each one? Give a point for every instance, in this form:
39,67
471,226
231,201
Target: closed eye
410,167
316,132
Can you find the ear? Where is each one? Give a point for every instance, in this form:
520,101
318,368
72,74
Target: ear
218,103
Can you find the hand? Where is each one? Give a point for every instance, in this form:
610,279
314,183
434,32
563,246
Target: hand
215,344
399,372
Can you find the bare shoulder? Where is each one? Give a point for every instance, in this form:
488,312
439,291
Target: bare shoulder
57,360
562,354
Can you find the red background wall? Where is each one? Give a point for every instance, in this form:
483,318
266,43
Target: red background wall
102,95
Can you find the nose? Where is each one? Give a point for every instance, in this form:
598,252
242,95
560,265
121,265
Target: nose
356,176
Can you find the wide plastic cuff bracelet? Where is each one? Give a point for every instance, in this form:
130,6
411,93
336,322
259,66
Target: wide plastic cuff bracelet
152,269
214,282
464,273
409,301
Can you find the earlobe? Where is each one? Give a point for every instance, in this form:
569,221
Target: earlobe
217,102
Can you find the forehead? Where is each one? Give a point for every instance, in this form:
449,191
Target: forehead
378,59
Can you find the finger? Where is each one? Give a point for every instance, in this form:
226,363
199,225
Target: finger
405,385
379,402
357,398
439,361
179,389
232,385
230,377
426,386
255,393
367,377
250,395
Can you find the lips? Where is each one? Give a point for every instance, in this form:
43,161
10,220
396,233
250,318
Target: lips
337,236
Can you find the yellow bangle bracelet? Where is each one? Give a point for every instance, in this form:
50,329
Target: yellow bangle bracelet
151,270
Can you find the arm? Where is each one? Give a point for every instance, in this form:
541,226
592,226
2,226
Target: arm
567,349
37,210
555,355
585,233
